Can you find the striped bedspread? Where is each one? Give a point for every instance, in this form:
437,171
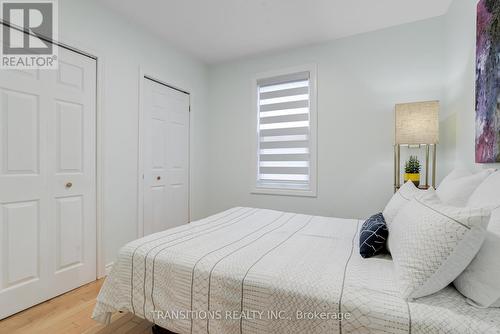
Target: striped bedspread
249,270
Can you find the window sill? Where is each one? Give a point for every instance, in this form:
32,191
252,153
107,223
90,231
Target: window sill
283,192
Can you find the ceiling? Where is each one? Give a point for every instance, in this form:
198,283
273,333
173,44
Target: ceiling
220,30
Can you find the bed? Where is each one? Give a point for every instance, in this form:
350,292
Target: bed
248,270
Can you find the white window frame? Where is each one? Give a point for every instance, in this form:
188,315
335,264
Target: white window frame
313,124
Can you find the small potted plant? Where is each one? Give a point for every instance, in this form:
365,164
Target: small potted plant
412,170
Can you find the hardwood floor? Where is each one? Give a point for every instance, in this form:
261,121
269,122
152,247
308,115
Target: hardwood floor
70,314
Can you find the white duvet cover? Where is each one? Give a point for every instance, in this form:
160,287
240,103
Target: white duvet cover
259,271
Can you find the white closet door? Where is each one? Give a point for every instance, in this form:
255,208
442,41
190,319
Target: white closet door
166,157
47,181
72,215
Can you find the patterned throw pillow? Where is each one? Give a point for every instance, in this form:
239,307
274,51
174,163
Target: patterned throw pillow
372,236
431,244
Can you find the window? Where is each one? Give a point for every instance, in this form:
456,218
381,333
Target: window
286,133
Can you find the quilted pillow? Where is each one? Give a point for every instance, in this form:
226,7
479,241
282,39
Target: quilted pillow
402,197
433,243
480,281
456,190
398,200
372,236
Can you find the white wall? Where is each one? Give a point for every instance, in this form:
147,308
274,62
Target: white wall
360,79
460,86
88,25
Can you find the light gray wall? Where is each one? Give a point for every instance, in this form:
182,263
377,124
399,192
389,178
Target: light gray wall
125,47
460,24
360,79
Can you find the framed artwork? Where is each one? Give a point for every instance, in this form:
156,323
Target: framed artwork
488,82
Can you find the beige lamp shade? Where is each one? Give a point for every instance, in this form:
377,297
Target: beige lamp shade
417,123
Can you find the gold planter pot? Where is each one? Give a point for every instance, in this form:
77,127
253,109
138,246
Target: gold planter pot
413,177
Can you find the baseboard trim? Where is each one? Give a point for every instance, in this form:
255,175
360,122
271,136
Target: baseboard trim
108,268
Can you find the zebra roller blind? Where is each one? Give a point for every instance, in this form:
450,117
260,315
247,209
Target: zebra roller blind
284,132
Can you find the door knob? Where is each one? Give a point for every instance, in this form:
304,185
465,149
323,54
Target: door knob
69,185
158,178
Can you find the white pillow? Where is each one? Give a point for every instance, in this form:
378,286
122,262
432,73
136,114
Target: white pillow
405,194
480,282
402,197
456,174
456,189
432,244
488,192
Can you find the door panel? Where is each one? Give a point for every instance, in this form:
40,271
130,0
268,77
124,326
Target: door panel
70,74
158,207
32,74
20,113
69,232
158,144
20,243
70,139
166,157
47,181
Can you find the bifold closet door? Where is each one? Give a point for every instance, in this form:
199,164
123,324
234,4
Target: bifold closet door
165,157
47,181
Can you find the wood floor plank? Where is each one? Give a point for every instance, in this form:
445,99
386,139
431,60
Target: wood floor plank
142,327
71,314
50,308
116,320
